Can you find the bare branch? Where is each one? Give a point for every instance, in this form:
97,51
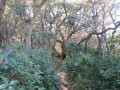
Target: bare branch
90,35
108,29
65,8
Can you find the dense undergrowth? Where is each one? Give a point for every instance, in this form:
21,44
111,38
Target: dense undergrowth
90,72
24,71
86,70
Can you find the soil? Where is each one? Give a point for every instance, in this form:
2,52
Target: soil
59,70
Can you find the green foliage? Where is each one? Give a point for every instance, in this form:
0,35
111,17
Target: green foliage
41,57
93,73
58,48
18,7
82,83
80,63
72,45
18,71
110,74
46,34
114,45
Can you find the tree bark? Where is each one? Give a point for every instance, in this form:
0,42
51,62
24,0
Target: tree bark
30,26
63,49
2,9
28,39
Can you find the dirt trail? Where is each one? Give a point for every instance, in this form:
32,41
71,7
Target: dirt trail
62,76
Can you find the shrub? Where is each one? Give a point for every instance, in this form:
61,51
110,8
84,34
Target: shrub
19,72
93,73
82,83
72,45
78,64
110,74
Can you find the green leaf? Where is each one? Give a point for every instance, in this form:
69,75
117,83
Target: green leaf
109,42
5,80
3,86
114,52
11,88
21,89
14,82
41,88
6,66
31,57
112,46
101,71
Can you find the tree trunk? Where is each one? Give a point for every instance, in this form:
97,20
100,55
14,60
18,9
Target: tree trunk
102,47
2,9
63,49
28,39
30,26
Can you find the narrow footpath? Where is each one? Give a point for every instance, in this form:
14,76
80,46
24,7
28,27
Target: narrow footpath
60,66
